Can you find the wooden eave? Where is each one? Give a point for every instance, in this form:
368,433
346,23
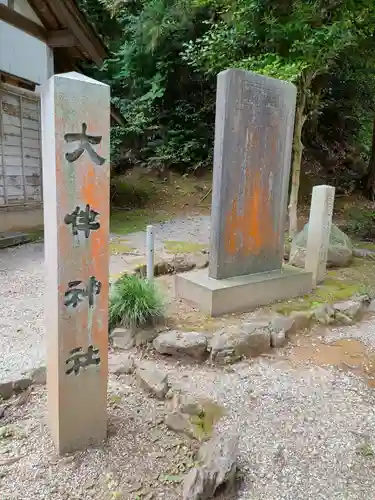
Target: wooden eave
65,29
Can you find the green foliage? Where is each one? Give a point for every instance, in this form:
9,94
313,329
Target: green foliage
360,223
165,56
134,302
167,107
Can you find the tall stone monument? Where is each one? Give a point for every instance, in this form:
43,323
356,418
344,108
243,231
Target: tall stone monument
75,139
252,156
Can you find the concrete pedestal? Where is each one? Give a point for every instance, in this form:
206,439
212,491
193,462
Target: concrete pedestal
241,293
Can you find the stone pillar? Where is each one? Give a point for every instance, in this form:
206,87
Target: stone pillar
320,222
253,145
75,140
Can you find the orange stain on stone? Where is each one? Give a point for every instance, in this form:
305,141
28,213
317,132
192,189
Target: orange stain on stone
249,228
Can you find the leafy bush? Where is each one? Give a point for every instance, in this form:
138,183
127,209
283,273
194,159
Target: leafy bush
361,222
134,302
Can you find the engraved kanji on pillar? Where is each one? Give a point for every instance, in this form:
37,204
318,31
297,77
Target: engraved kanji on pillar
75,127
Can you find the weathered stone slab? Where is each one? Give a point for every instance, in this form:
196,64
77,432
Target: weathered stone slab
75,127
253,142
219,464
152,380
233,342
319,231
182,344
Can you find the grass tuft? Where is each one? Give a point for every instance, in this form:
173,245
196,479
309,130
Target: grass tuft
134,302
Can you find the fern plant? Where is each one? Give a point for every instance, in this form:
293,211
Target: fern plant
134,302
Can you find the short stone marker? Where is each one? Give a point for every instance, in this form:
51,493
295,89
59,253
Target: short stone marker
253,144
320,223
75,128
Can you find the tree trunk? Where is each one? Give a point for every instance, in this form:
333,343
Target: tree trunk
300,119
370,177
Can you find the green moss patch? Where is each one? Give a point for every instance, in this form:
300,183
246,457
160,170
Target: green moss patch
340,284
183,247
205,421
120,247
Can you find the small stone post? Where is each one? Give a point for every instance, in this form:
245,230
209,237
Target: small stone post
320,222
150,252
75,139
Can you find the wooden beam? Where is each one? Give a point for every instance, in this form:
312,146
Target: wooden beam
61,38
21,22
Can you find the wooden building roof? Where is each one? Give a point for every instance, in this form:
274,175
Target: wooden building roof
65,29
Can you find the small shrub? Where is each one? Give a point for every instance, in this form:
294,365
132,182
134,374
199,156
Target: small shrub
134,302
360,223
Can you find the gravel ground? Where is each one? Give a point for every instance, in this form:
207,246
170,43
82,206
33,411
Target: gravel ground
364,332
306,433
22,281
190,229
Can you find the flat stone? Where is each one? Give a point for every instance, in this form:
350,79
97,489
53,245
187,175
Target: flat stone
180,422
21,384
301,320
232,343
350,308
371,307
278,339
152,380
181,344
282,323
125,366
182,264
123,338
324,314
219,465
201,261
39,375
145,336
162,268
6,390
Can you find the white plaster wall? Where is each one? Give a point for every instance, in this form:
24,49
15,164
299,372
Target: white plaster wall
22,55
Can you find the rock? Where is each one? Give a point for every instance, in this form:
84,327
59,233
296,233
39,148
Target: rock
195,417
21,384
182,264
39,376
182,344
201,261
301,320
152,380
324,314
248,339
126,366
278,339
371,307
6,390
282,323
2,411
123,338
219,465
350,308
280,327
340,250
145,336
162,268
180,422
